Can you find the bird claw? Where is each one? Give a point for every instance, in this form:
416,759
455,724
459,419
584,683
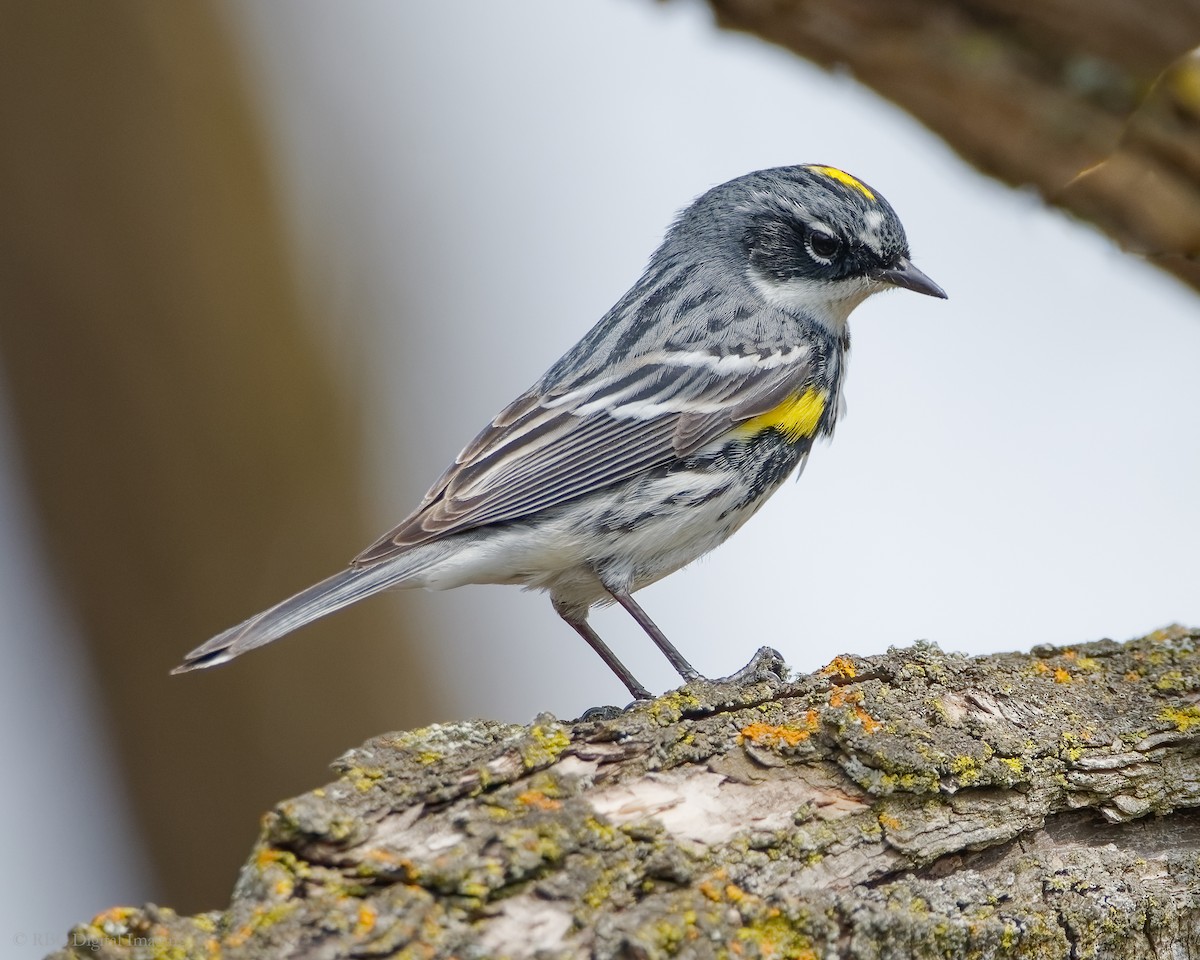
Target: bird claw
607,712
767,665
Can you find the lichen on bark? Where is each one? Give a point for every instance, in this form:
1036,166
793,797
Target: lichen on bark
912,804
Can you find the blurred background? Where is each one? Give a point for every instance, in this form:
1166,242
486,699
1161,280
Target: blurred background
265,268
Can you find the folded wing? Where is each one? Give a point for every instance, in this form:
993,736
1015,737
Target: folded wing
549,447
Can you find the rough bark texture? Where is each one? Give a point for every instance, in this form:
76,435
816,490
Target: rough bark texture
914,804
1094,103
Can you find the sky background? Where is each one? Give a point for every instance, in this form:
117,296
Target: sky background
1017,465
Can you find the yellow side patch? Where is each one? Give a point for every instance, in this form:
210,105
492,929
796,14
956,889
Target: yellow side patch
796,418
843,177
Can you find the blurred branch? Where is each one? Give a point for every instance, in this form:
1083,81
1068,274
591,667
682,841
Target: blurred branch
914,804
1094,103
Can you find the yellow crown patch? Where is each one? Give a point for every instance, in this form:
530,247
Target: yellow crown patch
843,177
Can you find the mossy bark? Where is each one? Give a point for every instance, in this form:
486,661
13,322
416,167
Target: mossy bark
913,804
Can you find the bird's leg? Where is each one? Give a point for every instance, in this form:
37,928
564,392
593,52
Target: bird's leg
580,625
682,667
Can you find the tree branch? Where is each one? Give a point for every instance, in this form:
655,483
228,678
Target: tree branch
1096,105
915,804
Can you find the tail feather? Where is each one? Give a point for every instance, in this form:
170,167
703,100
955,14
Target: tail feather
340,590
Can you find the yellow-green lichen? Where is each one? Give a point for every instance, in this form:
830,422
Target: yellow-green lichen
1171,680
1182,719
261,918
870,828
912,781
966,769
206,922
278,870
364,778
544,745
671,934
129,929
600,891
778,938
603,831
671,707
1070,748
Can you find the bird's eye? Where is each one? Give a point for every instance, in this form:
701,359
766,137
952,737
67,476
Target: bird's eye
822,247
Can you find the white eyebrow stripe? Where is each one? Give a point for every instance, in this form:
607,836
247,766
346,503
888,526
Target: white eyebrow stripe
871,236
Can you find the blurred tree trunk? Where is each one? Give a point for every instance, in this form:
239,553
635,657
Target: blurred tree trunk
1094,103
189,451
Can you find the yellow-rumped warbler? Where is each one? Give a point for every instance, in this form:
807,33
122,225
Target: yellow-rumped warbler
663,430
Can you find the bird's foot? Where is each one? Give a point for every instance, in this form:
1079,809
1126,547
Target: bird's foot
767,664
607,712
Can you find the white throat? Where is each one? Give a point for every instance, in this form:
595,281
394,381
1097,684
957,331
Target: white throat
829,303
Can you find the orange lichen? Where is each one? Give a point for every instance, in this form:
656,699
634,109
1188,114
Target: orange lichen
367,915
113,916
840,667
1061,675
239,936
772,735
841,697
538,800
385,857
869,723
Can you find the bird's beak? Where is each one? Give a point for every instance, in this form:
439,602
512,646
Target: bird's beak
904,274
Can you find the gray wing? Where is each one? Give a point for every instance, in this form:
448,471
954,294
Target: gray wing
549,447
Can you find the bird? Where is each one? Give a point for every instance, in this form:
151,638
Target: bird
662,431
